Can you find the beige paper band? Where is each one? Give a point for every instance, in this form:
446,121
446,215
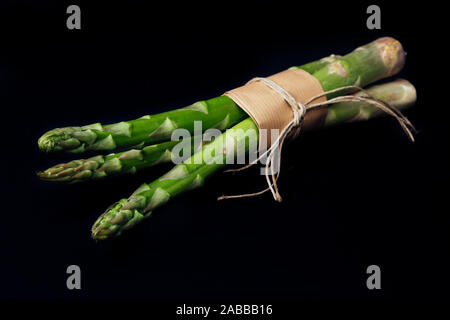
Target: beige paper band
268,108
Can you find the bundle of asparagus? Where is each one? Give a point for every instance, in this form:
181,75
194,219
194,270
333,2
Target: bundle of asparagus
149,135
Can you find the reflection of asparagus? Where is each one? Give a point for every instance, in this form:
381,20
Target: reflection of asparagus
379,59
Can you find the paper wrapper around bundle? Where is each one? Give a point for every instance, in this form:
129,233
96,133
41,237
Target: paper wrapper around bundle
269,110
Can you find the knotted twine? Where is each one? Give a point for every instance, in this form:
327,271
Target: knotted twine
294,127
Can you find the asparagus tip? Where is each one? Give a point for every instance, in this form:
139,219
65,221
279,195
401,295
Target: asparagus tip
58,139
120,216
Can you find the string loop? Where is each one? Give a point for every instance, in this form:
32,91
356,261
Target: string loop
294,127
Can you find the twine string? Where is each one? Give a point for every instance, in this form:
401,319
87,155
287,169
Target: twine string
294,127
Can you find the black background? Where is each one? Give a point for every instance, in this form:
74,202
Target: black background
354,195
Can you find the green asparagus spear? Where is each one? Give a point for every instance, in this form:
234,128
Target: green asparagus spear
377,60
220,112
187,176
399,94
190,174
127,162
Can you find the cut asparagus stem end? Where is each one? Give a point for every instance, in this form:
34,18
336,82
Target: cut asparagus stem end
391,53
399,94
